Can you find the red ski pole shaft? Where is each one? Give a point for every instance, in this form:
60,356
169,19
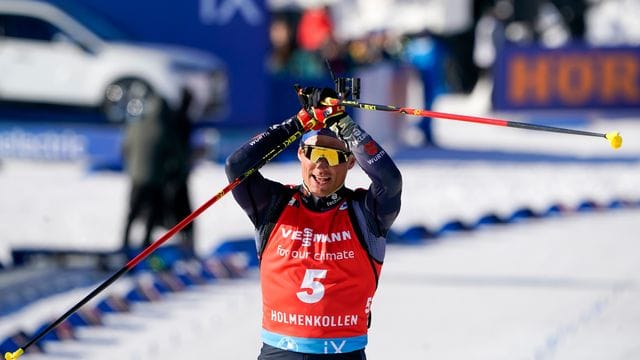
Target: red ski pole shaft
613,137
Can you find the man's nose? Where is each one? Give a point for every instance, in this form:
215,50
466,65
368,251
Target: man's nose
322,162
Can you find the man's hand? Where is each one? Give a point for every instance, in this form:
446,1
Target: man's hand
317,111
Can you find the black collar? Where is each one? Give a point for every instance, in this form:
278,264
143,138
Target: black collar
322,203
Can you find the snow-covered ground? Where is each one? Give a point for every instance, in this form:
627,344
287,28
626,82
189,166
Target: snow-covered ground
557,288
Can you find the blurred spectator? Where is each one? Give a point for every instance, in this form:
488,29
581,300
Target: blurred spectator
157,159
427,55
314,29
287,57
488,33
178,156
143,162
573,14
282,45
547,23
449,60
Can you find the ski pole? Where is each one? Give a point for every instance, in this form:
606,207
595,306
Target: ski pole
133,262
614,138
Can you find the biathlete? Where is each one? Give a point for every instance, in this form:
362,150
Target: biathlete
321,245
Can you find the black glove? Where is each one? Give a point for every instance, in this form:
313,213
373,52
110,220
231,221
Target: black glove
319,105
313,97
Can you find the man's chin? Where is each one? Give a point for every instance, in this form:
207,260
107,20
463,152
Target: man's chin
321,191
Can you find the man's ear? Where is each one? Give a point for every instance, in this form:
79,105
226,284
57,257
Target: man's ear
351,162
300,155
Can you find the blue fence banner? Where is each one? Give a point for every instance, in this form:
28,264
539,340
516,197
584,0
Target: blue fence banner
60,142
575,77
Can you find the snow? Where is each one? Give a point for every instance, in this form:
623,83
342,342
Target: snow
553,289
557,288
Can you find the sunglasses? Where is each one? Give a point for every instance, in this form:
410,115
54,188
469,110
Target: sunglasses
333,156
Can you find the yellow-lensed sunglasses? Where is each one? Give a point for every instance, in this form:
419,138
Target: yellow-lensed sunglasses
333,156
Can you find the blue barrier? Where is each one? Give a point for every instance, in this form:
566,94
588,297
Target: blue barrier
452,226
587,205
522,214
25,286
416,234
113,304
489,219
239,246
17,339
60,333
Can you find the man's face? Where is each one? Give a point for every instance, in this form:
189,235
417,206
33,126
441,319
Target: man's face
320,178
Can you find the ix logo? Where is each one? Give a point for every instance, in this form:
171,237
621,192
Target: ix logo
337,349
220,12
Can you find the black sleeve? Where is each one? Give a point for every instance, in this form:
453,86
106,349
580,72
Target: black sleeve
382,200
256,194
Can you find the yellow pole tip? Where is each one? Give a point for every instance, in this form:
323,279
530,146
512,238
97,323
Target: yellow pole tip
614,139
13,356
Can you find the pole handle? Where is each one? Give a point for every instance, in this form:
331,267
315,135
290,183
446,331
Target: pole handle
13,355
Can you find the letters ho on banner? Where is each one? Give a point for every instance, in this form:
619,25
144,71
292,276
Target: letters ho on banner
577,77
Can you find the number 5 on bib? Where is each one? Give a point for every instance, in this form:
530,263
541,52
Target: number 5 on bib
310,282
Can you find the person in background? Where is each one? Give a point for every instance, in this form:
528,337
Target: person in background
157,158
144,166
321,245
177,167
